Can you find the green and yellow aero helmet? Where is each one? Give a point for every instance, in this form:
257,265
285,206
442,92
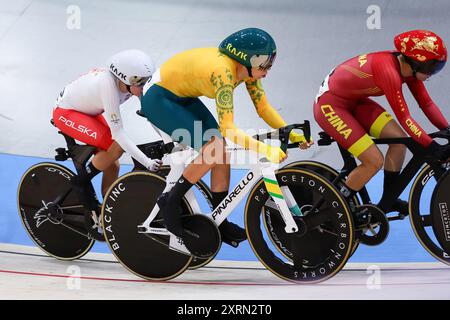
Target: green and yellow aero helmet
251,47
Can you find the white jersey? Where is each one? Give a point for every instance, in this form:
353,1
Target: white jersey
94,93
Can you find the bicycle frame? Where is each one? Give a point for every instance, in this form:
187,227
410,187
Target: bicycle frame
263,169
408,173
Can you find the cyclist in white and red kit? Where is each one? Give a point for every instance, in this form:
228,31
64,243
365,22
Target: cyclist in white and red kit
88,110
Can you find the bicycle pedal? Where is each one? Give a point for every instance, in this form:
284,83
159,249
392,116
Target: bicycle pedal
61,154
362,216
231,233
232,243
142,229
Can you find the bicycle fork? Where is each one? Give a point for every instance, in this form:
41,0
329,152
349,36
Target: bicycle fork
282,197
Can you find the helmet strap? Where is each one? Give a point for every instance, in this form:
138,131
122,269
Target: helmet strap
249,70
128,88
413,70
411,65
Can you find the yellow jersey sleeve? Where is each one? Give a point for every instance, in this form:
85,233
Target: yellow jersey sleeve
266,111
263,107
223,82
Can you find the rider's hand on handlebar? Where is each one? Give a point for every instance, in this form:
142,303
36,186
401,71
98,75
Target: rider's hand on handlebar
275,154
294,137
153,164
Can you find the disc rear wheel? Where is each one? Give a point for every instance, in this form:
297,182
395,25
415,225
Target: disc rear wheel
57,230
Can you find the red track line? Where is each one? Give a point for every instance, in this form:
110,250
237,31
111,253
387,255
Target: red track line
216,283
148,281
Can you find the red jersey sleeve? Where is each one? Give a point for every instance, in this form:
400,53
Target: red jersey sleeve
387,78
429,108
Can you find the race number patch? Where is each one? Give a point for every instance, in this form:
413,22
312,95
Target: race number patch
324,86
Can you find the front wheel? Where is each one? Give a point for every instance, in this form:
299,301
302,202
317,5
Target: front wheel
330,174
314,256
421,213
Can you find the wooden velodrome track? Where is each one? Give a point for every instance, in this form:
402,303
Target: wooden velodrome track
26,273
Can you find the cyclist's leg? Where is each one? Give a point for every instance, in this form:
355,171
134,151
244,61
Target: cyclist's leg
169,113
107,161
189,122
334,115
172,115
371,162
209,159
394,159
214,157
216,154
380,124
395,155
107,157
110,174
97,134
231,233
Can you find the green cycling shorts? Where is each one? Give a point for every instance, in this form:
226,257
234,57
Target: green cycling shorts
187,120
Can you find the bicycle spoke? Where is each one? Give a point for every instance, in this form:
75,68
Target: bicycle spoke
78,206
74,218
75,230
328,231
372,231
318,203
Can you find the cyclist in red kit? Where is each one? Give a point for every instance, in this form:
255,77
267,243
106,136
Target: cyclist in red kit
344,110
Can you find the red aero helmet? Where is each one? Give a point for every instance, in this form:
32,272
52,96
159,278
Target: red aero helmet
423,48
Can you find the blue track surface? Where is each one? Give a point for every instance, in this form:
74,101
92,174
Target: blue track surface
401,245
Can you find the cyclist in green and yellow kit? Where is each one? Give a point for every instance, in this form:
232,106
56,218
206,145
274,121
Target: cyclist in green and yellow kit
172,102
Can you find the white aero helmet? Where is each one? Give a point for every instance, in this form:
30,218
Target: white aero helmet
132,67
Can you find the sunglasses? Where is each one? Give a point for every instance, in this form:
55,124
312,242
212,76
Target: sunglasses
268,64
430,67
139,81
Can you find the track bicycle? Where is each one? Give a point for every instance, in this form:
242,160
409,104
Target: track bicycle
63,219
138,238
430,223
